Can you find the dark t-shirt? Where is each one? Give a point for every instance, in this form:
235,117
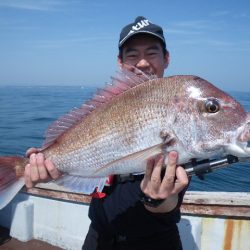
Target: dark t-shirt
121,213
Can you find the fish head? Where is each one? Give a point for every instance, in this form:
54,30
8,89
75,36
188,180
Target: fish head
217,124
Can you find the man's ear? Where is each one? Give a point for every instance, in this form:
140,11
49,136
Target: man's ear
167,60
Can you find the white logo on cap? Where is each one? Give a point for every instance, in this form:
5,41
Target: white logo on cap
139,25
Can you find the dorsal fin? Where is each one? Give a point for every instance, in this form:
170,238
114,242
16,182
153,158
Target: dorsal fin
123,81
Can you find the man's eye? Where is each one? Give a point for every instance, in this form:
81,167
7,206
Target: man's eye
131,55
152,53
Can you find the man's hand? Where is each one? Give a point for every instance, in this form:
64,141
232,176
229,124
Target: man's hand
39,169
173,182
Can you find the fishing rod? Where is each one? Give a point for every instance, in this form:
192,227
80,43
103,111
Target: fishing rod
194,167
202,167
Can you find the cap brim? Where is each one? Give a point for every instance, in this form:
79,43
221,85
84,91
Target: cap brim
126,38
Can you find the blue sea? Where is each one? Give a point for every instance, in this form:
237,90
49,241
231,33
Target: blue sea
26,112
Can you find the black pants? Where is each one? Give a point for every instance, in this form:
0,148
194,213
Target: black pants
169,240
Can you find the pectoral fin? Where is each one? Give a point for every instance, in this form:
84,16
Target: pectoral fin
132,163
79,184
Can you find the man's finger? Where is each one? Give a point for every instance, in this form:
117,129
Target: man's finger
170,175
147,176
172,161
34,174
149,169
28,182
156,173
53,171
181,179
43,174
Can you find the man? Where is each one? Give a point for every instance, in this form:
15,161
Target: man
140,211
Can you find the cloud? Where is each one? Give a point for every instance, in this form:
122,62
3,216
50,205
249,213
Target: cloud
194,28
208,42
197,24
224,13
44,5
176,31
218,44
53,44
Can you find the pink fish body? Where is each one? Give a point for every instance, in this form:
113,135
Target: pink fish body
125,124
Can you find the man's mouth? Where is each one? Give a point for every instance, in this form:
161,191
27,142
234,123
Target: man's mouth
140,72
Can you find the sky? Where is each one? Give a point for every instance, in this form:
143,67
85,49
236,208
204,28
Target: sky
74,42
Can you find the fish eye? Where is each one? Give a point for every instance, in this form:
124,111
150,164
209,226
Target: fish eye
212,106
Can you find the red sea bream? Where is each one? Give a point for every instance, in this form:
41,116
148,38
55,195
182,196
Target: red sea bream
132,120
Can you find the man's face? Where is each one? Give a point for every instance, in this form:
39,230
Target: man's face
145,53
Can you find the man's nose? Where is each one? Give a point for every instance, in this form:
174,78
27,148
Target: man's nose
142,63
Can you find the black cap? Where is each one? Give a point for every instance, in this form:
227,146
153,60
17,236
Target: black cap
141,25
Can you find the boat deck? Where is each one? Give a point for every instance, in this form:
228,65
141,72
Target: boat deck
9,243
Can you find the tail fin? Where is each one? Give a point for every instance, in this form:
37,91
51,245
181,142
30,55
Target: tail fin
11,177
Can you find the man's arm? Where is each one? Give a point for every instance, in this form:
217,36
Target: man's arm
168,187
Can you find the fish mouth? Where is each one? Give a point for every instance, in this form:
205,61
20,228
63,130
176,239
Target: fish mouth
239,149
241,146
